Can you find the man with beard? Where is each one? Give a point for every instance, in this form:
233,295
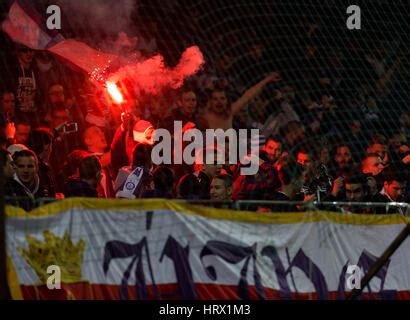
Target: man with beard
378,145
342,166
219,113
394,187
343,161
317,182
273,149
356,190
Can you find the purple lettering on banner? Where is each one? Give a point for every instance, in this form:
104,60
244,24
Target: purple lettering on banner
272,253
180,257
366,261
312,271
149,216
304,263
342,282
118,250
234,254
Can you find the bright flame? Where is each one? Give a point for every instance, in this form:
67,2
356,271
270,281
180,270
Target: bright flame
114,92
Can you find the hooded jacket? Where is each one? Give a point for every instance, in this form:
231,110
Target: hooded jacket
18,194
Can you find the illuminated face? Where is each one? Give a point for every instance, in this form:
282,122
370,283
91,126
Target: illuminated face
395,189
219,102
273,149
355,192
9,168
372,165
380,150
22,133
94,140
59,117
26,170
343,156
56,93
305,160
188,102
8,102
219,191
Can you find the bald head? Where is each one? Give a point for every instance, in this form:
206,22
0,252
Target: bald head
372,164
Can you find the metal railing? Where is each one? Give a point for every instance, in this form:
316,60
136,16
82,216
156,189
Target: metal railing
254,204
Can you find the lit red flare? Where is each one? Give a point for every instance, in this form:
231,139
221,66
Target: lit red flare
114,92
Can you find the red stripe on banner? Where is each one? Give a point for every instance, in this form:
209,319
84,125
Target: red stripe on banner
86,291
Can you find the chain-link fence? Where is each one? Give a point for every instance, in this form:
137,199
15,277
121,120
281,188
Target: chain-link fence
339,88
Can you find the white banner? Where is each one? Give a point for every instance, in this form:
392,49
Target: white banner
154,249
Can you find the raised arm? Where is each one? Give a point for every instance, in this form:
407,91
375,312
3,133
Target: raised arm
254,91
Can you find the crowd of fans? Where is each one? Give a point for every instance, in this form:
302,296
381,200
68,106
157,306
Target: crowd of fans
323,137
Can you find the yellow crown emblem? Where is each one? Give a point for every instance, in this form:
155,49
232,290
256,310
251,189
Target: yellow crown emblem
61,252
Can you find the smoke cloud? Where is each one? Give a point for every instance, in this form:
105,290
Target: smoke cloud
152,76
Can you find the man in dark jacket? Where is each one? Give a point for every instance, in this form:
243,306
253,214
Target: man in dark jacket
164,181
25,186
394,188
90,177
41,142
186,111
291,177
356,190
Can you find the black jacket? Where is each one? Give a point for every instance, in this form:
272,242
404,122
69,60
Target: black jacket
19,195
79,188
